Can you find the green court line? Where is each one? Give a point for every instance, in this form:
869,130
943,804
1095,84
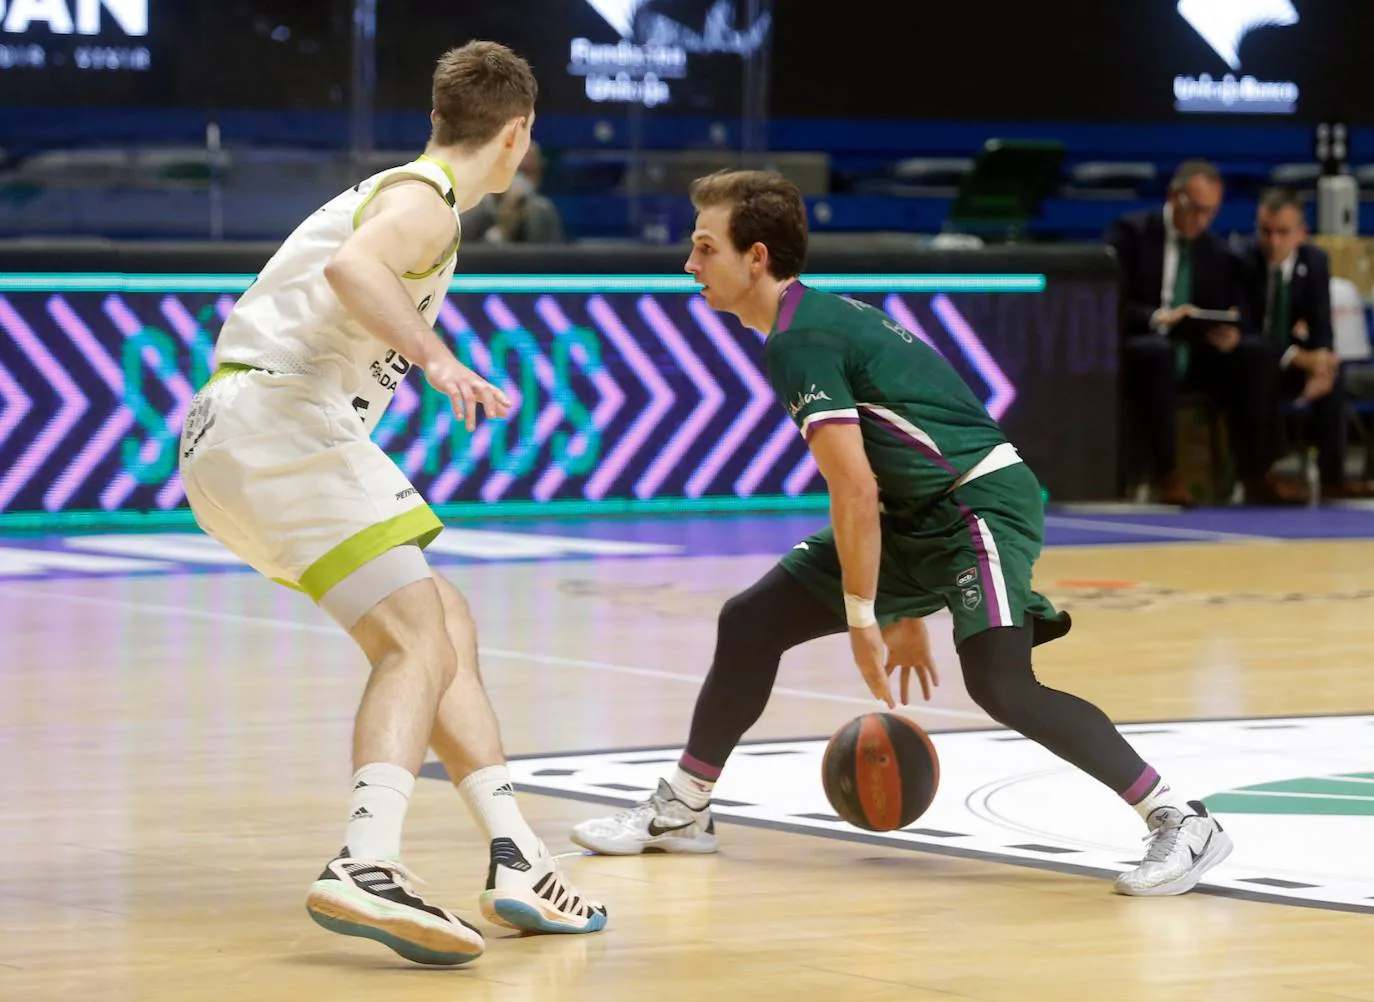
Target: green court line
1350,794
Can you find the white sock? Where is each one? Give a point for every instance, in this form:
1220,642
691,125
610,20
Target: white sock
381,794
1161,795
490,797
693,791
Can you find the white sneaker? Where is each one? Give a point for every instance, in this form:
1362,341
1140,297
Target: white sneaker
1182,848
374,899
533,896
662,823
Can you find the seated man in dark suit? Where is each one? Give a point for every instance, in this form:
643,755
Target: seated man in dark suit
1285,289
1171,266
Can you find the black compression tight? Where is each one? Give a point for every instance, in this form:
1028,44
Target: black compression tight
778,613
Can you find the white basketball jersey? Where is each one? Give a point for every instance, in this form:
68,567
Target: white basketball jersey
290,320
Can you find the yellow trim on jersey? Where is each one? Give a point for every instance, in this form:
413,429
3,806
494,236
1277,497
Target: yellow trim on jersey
401,174
228,369
443,263
448,172
418,525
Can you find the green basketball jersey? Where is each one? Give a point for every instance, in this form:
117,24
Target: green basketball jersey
832,359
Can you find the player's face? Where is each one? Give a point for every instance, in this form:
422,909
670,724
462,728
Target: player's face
722,271
1280,232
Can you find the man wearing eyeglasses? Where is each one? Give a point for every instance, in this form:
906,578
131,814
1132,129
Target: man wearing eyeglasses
1172,266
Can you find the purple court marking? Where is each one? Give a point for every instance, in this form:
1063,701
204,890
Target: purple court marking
760,397
1003,392
549,416
74,402
711,398
79,470
612,398
897,309
661,399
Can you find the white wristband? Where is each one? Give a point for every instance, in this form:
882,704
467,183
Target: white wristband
859,611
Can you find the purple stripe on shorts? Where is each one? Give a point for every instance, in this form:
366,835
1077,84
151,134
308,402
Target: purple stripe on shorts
791,299
698,768
1142,786
990,597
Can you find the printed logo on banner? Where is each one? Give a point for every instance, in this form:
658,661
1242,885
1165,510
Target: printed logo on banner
1223,25
619,396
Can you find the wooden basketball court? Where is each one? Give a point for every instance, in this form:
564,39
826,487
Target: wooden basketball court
174,765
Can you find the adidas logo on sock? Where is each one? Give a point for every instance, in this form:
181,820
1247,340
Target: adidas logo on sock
360,813
359,785
504,790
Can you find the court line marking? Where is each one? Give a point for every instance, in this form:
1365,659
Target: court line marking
491,652
1179,533
961,852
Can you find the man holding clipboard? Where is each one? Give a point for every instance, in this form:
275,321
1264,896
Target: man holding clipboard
1180,331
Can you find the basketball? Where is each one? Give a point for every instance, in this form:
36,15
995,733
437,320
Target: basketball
880,772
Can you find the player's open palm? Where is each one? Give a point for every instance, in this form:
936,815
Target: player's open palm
466,390
908,648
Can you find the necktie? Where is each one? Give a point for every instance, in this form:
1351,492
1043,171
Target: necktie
1183,277
1183,292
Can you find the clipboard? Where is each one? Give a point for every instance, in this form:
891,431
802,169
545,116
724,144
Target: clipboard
1199,323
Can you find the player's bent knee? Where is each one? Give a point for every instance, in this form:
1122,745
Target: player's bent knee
737,623
392,606
407,628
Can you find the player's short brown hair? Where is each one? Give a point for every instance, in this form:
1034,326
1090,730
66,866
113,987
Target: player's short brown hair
478,88
765,208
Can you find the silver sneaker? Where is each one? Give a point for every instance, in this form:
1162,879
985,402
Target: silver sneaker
663,823
1182,847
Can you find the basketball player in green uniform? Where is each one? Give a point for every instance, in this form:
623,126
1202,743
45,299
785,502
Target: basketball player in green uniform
931,507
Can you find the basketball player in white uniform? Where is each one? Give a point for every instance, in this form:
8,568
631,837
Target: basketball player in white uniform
279,466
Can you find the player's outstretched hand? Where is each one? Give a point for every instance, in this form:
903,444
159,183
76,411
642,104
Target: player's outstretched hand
870,654
908,648
466,390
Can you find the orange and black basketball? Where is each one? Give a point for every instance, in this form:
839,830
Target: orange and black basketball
880,772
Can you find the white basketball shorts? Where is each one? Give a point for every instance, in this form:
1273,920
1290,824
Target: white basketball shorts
280,470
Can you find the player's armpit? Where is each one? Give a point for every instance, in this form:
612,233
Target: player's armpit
405,227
